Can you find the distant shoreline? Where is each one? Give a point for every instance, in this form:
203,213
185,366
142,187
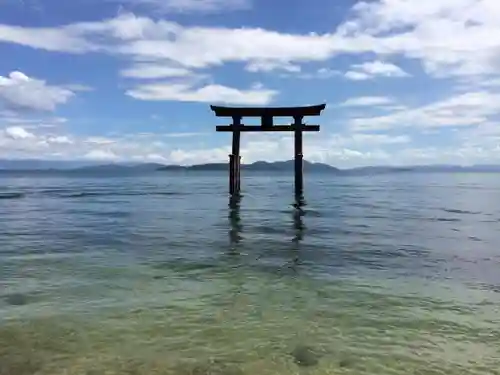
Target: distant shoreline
27,167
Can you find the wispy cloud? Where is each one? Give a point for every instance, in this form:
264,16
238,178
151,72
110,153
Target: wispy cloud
463,110
363,101
186,6
155,71
374,69
448,37
211,93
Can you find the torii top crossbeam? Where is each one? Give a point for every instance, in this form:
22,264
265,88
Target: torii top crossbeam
313,110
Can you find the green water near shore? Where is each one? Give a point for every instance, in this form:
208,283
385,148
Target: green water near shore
215,321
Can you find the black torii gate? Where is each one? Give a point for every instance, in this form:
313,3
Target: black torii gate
267,115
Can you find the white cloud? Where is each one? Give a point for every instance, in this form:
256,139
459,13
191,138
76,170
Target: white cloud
366,101
343,150
30,120
18,132
382,68
268,66
491,82
100,155
356,76
201,47
154,45
195,156
361,139
20,92
295,71
467,109
99,140
207,94
60,139
192,47
154,71
449,37
62,39
326,73
374,69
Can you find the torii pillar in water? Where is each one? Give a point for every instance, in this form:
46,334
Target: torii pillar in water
267,115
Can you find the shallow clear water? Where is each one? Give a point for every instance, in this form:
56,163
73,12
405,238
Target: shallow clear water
395,274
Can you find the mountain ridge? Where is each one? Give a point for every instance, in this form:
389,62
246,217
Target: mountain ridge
43,166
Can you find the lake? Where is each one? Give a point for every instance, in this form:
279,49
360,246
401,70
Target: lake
161,274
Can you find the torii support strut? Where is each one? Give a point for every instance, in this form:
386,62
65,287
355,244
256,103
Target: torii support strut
267,115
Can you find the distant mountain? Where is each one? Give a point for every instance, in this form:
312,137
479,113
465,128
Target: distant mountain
43,167
288,165
24,167
196,167
487,168
257,166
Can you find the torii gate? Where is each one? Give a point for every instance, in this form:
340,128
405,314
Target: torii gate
267,115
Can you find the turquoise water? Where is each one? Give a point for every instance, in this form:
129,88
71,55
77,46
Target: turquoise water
158,274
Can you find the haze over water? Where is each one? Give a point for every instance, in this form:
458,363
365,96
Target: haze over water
393,274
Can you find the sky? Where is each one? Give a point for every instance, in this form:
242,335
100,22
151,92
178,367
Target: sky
404,81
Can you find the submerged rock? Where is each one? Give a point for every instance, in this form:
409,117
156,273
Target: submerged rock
345,362
304,355
215,367
17,299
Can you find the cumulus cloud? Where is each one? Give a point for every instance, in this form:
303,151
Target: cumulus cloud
20,92
342,149
18,132
449,37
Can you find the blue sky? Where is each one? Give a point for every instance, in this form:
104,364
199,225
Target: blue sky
405,82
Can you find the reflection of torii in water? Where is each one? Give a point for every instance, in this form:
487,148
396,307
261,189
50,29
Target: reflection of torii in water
299,227
235,226
298,224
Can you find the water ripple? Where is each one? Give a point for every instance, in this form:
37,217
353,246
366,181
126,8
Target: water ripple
380,275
